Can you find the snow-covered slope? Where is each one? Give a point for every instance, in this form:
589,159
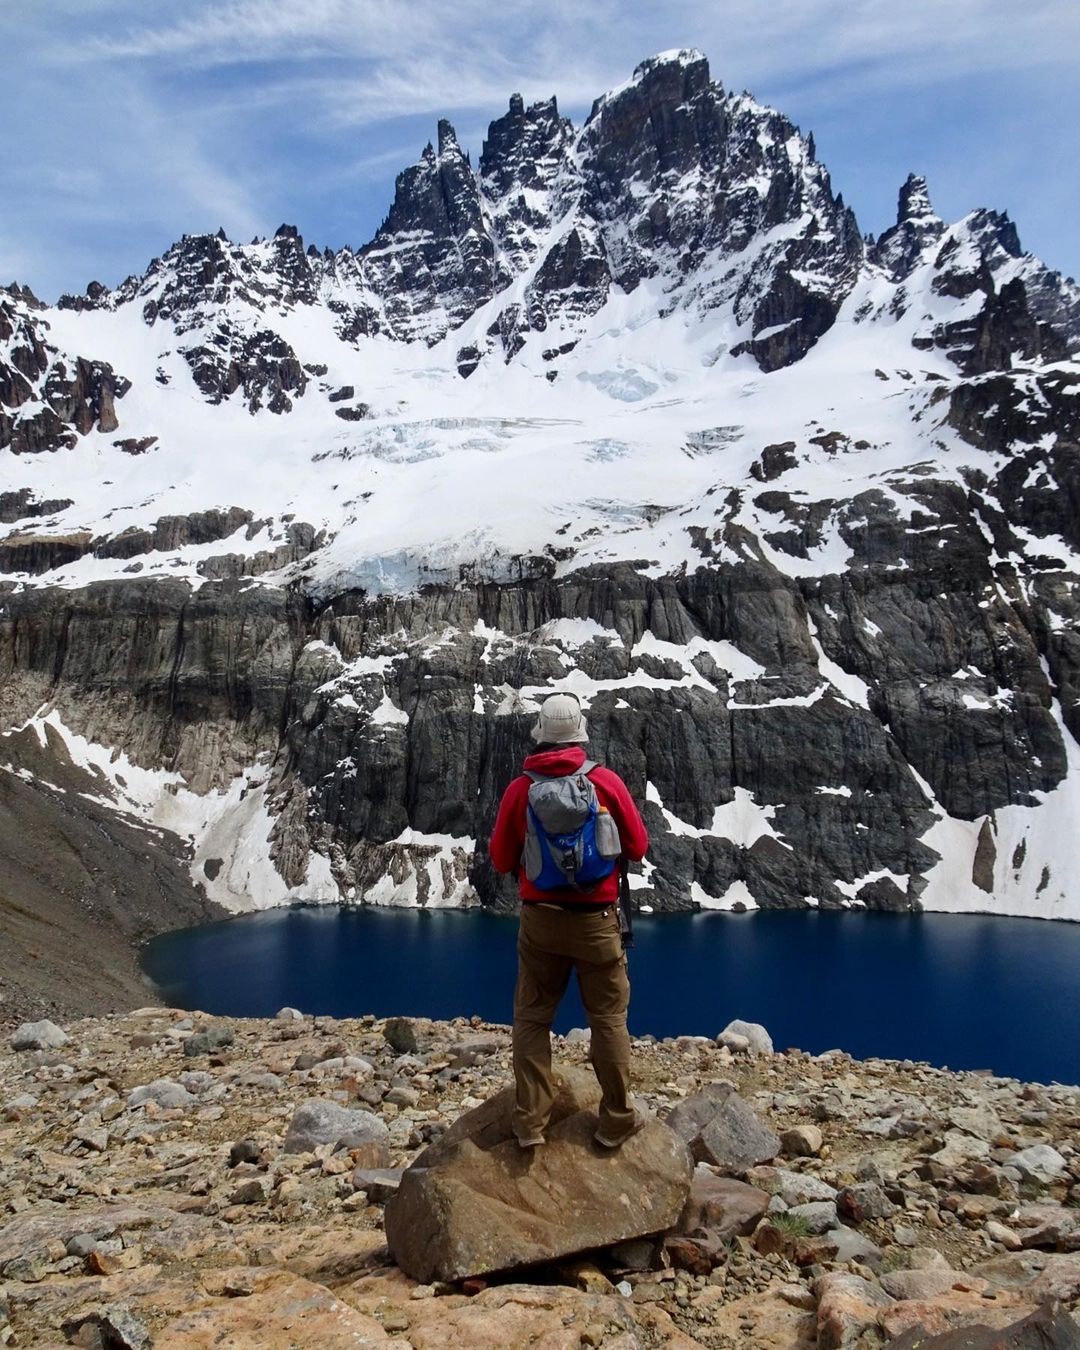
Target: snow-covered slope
645,376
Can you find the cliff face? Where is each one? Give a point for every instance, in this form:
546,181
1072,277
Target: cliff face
631,410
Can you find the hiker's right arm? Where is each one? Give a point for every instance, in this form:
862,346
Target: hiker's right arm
508,836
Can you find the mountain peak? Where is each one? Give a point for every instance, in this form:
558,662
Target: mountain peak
683,72
447,136
675,56
914,201
902,247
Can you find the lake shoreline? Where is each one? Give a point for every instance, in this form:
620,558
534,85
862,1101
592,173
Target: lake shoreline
970,992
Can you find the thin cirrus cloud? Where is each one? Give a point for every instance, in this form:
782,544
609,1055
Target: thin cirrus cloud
248,112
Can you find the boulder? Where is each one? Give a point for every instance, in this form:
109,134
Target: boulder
793,1188
721,1129
865,1200
162,1092
851,1245
722,1206
958,1149
114,1328
924,1284
847,1306
377,1183
1040,1163
278,1311
474,1203
400,1034
44,1035
316,1122
1048,1328
760,1042
819,1216
981,1121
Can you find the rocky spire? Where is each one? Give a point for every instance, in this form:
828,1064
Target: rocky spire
917,230
914,201
433,258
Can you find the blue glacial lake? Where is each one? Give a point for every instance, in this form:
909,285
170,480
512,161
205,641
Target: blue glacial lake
967,991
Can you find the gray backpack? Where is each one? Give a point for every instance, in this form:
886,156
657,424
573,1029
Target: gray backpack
570,839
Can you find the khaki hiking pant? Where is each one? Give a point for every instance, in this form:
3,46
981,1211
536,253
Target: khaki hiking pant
551,944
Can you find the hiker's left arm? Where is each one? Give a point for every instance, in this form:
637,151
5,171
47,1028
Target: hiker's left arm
632,832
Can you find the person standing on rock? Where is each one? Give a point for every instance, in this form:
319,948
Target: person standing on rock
569,886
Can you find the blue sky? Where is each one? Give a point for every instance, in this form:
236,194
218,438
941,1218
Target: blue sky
127,123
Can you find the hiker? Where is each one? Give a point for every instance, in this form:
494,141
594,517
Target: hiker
568,878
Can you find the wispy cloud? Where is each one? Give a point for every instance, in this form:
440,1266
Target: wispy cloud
244,112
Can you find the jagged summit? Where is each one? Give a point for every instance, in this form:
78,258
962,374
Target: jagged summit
914,202
917,229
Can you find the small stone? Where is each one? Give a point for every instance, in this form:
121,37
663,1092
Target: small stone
905,1236
215,1037
804,1141
798,1296
101,1263
865,1200
244,1151
926,1258
288,1015
81,1245
253,1192
997,1232
163,1092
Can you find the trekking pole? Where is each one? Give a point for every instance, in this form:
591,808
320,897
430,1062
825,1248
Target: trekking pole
626,920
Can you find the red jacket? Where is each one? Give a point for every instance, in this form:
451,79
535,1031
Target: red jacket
508,836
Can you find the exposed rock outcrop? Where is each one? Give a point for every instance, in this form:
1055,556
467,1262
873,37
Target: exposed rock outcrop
468,1206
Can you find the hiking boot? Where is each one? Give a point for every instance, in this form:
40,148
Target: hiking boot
640,1121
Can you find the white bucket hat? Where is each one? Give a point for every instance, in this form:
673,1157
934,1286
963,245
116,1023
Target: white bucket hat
561,722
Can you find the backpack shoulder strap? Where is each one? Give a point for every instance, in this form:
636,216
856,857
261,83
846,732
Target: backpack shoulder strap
536,777
588,766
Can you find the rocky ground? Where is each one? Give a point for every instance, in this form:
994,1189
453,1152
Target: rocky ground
162,1182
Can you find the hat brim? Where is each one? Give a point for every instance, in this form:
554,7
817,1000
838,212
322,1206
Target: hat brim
579,737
